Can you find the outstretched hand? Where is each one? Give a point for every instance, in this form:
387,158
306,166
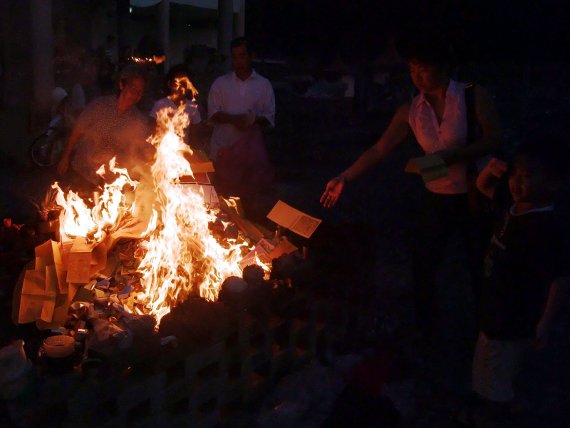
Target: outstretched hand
332,192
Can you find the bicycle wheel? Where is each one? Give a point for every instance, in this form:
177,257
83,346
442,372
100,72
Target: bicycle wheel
46,149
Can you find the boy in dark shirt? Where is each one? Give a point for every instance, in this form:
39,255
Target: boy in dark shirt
525,275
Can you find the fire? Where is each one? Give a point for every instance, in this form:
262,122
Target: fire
180,257
157,59
109,208
184,85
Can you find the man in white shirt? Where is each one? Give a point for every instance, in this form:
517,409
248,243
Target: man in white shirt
240,104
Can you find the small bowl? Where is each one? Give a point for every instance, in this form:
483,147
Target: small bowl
59,346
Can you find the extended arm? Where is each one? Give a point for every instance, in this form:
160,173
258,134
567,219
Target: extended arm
392,137
489,176
63,164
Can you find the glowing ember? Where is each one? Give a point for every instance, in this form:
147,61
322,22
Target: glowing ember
156,59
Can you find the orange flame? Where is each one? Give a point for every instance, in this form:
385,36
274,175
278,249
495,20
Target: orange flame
182,257
77,219
183,85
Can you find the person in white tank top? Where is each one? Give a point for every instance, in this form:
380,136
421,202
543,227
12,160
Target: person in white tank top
448,133
437,117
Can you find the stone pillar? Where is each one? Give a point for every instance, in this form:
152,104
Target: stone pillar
239,22
123,26
42,61
225,28
16,80
164,31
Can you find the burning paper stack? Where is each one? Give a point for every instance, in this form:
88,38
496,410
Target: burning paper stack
173,219
45,294
188,243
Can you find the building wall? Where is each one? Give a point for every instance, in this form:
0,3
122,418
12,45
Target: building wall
16,53
15,80
182,38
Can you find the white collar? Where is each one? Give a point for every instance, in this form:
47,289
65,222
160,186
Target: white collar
253,75
534,210
451,90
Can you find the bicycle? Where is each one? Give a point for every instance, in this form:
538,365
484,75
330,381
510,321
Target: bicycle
46,149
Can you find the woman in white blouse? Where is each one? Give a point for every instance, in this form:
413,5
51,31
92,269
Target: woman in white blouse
438,118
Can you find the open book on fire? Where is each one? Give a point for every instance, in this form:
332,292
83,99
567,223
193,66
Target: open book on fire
430,167
293,219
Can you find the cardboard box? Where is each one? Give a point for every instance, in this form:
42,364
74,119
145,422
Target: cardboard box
84,260
42,294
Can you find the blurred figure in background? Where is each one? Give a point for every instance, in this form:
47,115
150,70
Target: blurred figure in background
240,104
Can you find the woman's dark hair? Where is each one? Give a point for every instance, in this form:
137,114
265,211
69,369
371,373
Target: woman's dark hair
430,48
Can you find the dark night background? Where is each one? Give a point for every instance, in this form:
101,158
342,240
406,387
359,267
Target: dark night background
519,50
481,30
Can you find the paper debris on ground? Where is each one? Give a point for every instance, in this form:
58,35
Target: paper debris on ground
261,251
284,246
254,232
84,260
42,293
